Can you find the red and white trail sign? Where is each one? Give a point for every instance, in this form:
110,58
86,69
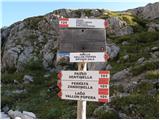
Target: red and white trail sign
82,23
88,57
84,85
99,96
84,75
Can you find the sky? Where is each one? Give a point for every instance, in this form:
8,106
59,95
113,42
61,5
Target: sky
17,10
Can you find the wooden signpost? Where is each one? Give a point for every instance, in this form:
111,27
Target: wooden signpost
84,41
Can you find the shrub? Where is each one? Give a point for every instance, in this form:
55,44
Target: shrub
54,113
106,114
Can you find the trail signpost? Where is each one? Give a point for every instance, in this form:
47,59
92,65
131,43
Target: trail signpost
83,41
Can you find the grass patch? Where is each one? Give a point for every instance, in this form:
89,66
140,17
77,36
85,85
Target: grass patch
152,74
144,67
138,106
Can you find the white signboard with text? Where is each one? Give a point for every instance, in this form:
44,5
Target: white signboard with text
88,57
82,23
84,85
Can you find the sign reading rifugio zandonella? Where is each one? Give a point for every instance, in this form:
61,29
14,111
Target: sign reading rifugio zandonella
84,85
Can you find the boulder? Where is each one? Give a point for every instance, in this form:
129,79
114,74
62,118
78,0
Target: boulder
112,50
121,75
29,115
19,91
126,57
96,66
125,43
14,114
28,79
108,67
4,116
152,27
140,60
153,49
5,109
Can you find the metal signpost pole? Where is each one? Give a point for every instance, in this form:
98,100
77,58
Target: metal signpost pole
81,105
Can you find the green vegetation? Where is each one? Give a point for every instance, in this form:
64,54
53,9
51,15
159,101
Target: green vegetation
138,106
139,45
106,114
152,74
41,96
144,67
32,22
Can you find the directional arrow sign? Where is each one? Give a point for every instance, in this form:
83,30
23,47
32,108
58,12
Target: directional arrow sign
80,84
99,96
89,57
84,85
82,23
84,75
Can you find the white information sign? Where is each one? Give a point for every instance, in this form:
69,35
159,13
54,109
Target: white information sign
84,95
83,75
84,85
88,57
81,23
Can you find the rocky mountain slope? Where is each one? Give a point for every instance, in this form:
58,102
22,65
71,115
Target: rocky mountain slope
29,68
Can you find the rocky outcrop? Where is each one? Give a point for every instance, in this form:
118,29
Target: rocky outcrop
149,12
119,27
21,115
32,39
36,38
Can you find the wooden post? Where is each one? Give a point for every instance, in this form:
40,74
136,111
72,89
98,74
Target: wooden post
81,105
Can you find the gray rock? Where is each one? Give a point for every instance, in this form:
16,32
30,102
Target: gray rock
154,49
122,115
15,81
14,114
104,108
154,56
125,43
126,57
150,11
28,79
140,60
5,109
153,91
121,75
108,67
152,27
19,91
119,27
29,115
112,50
47,75
96,66
124,31
4,116
96,13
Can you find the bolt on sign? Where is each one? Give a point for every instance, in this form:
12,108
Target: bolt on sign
84,85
